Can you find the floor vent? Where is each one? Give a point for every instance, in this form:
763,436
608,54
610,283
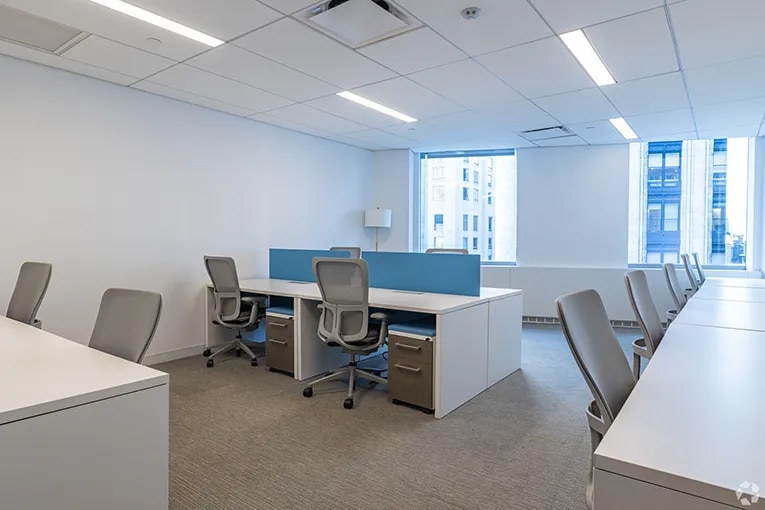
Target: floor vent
22,28
359,22
530,319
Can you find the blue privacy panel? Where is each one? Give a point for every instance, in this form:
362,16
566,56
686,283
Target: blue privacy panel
297,265
442,273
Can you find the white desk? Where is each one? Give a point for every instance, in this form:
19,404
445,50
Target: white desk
79,429
723,314
691,431
477,344
736,282
723,293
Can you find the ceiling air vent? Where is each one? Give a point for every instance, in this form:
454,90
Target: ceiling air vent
359,22
39,33
547,133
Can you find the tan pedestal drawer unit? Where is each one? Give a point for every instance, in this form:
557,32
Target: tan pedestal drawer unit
280,340
410,365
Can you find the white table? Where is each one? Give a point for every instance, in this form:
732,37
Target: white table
79,429
736,282
723,293
477,344
690,432
723,314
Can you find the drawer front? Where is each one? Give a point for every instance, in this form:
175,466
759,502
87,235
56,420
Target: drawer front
280,328
411,383
280,354
412,349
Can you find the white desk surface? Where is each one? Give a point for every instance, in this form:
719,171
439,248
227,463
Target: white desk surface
736,282
723,293
42,373
694,422
723,314
423,302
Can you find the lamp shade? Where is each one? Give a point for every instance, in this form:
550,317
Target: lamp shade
377,218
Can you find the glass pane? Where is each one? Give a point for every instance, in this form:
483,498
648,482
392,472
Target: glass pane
655,161
654,257
672,159
438,193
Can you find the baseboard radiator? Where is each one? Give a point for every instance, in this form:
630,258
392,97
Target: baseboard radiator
531,319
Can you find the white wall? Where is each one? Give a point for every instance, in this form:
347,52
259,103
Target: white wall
117,187
392,188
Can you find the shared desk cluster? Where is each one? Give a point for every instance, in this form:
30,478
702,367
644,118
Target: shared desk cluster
684,434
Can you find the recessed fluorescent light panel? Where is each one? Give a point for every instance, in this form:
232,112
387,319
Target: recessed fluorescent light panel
159,21
350,96
621,125
587,56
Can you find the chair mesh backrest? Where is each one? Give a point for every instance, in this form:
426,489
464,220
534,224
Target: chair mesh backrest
670,273
461,251
645,310
31,286
344,287
596,350
126,322
697,262
354,250
225,280
688,272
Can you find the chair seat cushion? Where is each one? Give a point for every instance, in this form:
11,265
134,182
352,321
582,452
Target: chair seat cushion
372,336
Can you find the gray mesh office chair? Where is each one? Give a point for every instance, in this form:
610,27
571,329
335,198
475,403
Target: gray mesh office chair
702,276
126,322
355,250
675,289
345,318
31,286
647,317
232,310
461,251
600,359
689,273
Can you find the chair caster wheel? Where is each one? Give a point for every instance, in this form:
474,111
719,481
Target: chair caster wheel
348,403
210,363
308,392
254,363
206,352
239,353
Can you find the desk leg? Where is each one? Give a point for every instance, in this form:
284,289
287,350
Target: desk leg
504,357
312,356
460,357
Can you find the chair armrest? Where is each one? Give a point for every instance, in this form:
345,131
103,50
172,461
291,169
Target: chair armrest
378,316
250,299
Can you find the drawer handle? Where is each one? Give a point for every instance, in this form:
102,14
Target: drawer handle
279,342
410,347
408,369
277,324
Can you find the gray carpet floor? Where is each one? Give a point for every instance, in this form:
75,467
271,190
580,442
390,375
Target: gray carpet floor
246,438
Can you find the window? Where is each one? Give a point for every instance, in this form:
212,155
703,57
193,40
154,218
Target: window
490,243
438,193
690,196
480,175
438,222
438,242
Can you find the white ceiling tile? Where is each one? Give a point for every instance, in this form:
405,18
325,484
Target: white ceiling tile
466,83
296,45
186,97
576,107
687,135
741,79
711,31
648,95
358,143
317,119
202,83
241,65
658,124
41,57
730,114
599,132
563,141
406,96
460,126
502,23
289,6
224,19
294,126
378,138
729,132
96,19
349,110
540,68
519,116
117,57
636,46
413,51
565,15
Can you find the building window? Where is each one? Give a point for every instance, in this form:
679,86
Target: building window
490,243
690,196
488,198
438,193
438,222
438,242
496,173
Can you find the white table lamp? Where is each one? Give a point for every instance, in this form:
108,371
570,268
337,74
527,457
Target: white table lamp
377,219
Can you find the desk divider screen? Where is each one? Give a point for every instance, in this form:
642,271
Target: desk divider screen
441,273
297,265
